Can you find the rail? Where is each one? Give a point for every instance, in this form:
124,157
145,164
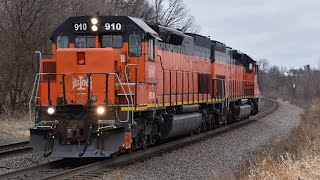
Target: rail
162,147
15,148
150,152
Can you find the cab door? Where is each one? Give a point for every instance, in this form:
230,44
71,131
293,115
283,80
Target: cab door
151,69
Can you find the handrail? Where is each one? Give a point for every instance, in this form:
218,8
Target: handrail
37,83
127,79
244,83
31,98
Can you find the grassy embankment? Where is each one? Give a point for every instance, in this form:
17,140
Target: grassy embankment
297,157
14,129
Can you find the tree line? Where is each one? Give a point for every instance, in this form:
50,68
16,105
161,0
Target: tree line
26,25
299,86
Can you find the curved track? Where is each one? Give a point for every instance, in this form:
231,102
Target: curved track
71,167
15,148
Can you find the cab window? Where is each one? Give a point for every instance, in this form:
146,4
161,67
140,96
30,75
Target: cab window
135,45
151,49
114,41
62,42
85,42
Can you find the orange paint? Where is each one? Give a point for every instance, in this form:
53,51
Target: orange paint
128,140
152,77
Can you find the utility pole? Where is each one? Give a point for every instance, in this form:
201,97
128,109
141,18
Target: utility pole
294,83
293,89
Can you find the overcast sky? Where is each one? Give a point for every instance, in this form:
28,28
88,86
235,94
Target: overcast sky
286,32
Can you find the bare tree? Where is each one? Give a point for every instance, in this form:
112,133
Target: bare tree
135,8
297,85
26,26
173,13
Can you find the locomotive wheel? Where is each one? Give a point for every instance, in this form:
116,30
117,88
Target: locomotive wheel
198,131
204,127
130,150
216,122
144,143
115,155
221,121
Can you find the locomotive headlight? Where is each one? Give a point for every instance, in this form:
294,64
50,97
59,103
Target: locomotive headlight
101,110
51,110
94,28
94,21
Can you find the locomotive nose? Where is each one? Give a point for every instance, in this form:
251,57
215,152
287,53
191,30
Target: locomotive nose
89,80
85,60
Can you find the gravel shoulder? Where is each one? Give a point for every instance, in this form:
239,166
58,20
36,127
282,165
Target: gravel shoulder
207,159
218,155
13,131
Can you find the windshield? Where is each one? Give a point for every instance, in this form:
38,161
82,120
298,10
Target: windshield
85,42
135,45
62,42
114,41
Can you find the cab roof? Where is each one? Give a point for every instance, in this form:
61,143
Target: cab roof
128,25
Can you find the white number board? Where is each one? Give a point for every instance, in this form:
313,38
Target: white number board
113,26
80,27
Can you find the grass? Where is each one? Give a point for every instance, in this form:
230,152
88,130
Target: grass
297,157
14,129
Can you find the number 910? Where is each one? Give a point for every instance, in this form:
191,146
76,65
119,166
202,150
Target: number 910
113,26
80,27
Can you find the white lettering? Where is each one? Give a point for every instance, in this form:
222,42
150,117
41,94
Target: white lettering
152,71
81,83
80,27
113,26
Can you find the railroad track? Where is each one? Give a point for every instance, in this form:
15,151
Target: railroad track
66,168
15,148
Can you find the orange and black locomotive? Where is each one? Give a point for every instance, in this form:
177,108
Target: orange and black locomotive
116,84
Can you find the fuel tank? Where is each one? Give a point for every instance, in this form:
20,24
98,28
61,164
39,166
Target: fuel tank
188,108
181,124
244,101
243,111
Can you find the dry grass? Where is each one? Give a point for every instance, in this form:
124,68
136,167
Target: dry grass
297,157
14,129
226,174
288,168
